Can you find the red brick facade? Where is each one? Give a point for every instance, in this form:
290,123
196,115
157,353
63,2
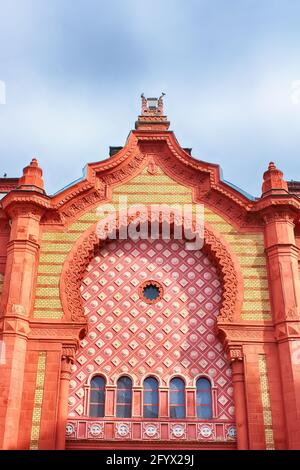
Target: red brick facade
72,306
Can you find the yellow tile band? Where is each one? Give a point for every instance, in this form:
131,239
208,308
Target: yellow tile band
38,401
265,398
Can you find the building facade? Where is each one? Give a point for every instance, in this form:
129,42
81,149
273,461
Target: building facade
111,340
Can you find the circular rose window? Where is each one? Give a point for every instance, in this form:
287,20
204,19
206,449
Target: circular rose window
151,291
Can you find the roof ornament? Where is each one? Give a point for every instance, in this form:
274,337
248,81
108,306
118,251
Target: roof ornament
32,178
152,114
152,106
273,182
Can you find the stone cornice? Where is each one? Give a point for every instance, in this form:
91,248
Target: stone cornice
240,333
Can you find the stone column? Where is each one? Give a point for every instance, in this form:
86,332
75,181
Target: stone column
67,360
238,379
282,255
24,207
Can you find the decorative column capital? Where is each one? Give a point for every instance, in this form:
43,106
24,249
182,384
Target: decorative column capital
235,353
278,215
67,359
68,352
25,207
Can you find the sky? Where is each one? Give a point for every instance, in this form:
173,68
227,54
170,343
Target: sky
72,72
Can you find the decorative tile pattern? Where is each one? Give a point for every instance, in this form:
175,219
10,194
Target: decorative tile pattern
38,401
265,397
87,428
177,431
96,431
176,334
123,430
206,431
151,430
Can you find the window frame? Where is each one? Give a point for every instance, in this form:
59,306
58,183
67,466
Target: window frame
156,391
124,403
184,404
91,389
211,395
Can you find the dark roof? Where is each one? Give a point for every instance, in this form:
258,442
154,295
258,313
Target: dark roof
294,187
114,150
7,184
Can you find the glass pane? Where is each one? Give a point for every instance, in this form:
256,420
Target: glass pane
97,411
203,385
177,395
150,412
97,382
177,398
204,412
151,292
177,412
150,384
177,384
97,396
124,397
123,411
204,399
150,398
124,383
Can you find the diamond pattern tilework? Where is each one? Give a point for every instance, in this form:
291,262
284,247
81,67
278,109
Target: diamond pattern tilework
175,334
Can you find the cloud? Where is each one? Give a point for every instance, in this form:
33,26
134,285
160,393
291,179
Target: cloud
74,72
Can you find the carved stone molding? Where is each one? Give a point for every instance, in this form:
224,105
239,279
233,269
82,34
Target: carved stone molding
83,202
126,171
55,333
19,204
72,273
84,187
279,203
15,325
233,337
288,330
25,210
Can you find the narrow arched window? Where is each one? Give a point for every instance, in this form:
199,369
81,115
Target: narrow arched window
203,399
177,398
124,397
97,397
150,398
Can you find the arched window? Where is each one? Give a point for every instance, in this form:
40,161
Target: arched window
150,398
124,397
203,399
177,398
97,397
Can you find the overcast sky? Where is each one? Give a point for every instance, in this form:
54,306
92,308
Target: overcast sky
74,72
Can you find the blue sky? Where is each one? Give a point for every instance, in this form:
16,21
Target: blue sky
74,72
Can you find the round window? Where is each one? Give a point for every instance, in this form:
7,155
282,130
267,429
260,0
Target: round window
151,291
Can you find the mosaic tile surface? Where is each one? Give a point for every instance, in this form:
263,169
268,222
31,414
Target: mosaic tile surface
175,335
